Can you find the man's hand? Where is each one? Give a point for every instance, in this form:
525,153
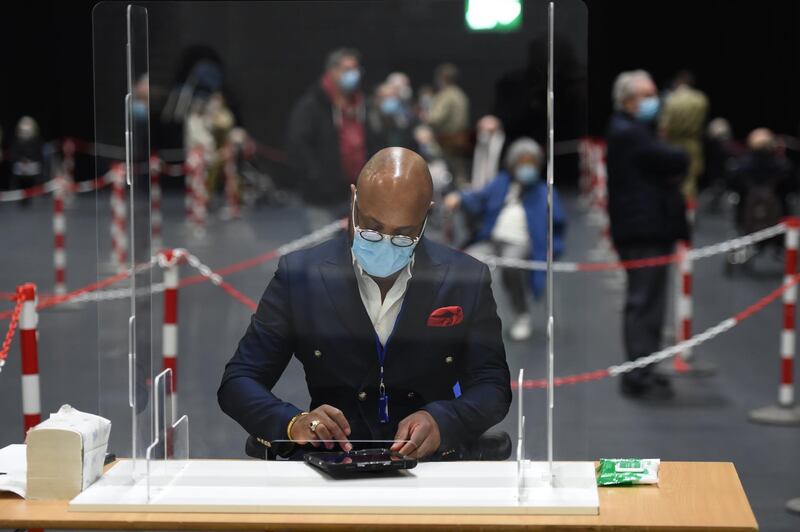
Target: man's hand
422,433
332,426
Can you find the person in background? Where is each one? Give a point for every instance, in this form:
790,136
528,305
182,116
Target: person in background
762,177
449,118
513,212
721,151
424,102
401,84
490,140
26,156
327,140
681,124
389,122
647,215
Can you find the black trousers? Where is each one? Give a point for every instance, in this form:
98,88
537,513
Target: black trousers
645,304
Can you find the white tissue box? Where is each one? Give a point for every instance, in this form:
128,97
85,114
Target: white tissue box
65,454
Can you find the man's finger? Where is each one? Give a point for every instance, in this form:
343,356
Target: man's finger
337,416
415,439
323,433
334,431
400,436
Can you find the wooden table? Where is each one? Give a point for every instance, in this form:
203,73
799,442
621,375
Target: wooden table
690,496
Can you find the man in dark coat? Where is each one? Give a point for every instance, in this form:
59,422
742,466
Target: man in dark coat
327,140
398,336
647,217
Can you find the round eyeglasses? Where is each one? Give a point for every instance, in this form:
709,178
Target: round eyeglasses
371,235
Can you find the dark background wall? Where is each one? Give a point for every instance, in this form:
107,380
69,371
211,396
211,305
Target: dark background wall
745,54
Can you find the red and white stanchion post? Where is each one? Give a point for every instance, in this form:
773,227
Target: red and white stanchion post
119,214
684,363
231,183
196,168
169,263
28,323
68,150
683,307
786,412
59,235
155,202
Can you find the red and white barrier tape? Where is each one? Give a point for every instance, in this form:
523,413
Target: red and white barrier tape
12,327
662,260
50,186
790,285
95,292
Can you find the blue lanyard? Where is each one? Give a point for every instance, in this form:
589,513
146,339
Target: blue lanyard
383,398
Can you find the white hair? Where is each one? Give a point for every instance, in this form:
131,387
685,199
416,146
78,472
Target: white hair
623,86
522,146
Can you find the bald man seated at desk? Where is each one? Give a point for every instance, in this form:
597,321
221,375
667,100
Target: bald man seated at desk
386,323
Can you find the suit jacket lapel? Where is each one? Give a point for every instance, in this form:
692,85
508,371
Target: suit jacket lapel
427,278
340,282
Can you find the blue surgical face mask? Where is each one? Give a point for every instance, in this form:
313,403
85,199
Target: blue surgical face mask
381,258
390,106
648,109
527,174
349,79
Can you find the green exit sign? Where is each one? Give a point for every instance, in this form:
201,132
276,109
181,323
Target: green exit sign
493,15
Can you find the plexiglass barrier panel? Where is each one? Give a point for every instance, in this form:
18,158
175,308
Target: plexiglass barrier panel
122,149
196,59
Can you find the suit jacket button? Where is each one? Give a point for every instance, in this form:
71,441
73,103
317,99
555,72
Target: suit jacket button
411,395
317,353
448,360
362,396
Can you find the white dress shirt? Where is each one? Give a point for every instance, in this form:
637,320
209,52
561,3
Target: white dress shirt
383,314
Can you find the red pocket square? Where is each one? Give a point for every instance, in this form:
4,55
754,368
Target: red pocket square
446,317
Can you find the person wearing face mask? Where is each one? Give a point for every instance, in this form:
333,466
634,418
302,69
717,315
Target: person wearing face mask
389,123
512,209
398,336
327,140
647,216
26,156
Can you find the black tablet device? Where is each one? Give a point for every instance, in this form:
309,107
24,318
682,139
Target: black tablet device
367,460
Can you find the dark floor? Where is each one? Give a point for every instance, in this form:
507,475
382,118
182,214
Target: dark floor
707,421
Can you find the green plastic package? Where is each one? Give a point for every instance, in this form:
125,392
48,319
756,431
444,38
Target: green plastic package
627,471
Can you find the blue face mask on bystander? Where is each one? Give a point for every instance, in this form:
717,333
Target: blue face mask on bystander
527,174
390,105
648,109
349,79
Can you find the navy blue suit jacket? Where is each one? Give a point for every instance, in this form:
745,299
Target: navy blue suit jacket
312,309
